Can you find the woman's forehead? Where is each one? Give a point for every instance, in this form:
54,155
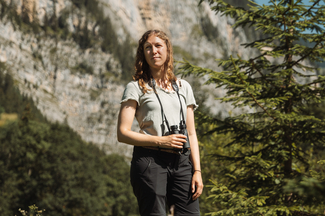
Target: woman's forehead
154,39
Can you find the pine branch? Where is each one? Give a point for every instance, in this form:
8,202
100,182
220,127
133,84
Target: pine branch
263,154
283,18
302,58
302,15
243,82
262,75
225,157
219,8
239,158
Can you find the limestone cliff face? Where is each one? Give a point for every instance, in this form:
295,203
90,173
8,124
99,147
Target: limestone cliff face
189,27
182,20
52,70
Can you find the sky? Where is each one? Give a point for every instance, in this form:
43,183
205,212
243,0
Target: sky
266,2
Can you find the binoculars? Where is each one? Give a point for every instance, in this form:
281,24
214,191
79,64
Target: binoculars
182,130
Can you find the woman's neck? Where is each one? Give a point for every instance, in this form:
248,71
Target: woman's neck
162,80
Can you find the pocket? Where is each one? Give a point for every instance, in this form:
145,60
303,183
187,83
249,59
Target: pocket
147,167
184,160
140,165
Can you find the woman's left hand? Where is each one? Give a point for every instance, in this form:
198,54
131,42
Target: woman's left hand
197,185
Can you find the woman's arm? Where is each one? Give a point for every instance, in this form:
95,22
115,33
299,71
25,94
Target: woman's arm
126,135
197,183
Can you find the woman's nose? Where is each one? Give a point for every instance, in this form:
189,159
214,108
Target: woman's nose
154,50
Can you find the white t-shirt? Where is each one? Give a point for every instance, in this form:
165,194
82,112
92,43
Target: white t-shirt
149,114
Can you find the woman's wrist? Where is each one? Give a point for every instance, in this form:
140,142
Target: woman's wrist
158,142
197,170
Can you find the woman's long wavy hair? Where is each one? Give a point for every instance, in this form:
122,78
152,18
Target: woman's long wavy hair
142,70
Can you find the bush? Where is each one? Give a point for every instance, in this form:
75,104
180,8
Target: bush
49,165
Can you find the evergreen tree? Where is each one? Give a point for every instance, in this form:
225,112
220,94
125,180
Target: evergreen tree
270,164
50,165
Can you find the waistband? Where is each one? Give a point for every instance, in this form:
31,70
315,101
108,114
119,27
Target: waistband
172,151
163,149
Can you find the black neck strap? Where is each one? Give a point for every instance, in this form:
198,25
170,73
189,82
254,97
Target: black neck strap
175,87
164,119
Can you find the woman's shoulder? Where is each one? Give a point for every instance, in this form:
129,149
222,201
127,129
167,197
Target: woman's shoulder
183,84
131,92
132,87
136,87
132,84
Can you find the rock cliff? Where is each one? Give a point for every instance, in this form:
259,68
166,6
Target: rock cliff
80,86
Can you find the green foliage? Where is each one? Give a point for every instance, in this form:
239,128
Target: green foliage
212,34
121,199
10,99
57,27
208,29
19,21
83,68
126,53
209,146
94,94
33,209
60,173
177,50
122,50
268,163
49,165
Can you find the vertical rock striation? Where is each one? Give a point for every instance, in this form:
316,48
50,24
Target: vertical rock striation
65,81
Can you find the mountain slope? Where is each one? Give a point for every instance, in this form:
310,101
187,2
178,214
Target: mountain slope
74,57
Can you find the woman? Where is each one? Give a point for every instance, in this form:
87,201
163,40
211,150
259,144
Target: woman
162,171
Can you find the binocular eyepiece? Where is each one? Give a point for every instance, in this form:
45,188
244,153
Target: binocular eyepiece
182,130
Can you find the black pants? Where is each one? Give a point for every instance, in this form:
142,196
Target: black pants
158,177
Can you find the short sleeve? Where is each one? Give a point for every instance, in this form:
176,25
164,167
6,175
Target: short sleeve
190,100
131,92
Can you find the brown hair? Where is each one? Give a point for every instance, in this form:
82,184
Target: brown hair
142,70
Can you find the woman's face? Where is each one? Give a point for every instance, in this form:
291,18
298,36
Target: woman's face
155,52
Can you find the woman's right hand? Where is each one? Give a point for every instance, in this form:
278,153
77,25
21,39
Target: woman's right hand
172,141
